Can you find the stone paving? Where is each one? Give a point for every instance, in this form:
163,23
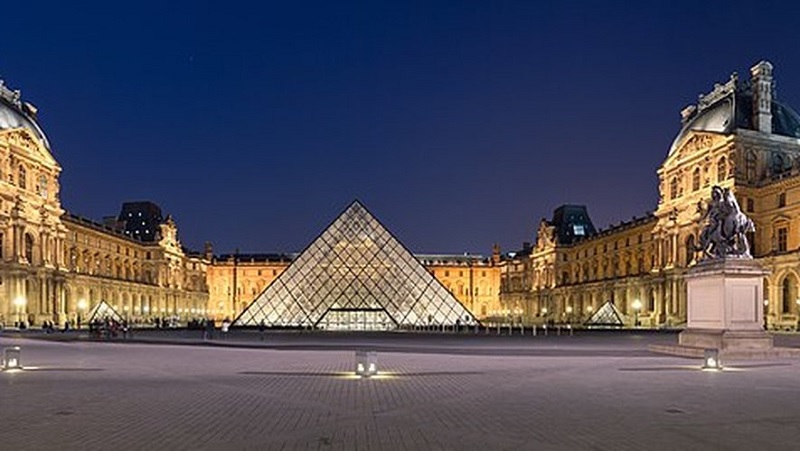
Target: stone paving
95,395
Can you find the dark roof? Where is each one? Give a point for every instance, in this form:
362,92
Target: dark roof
730,107
572,223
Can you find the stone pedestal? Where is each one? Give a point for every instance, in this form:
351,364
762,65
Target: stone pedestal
725,308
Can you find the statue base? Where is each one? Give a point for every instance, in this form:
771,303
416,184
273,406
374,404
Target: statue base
725,306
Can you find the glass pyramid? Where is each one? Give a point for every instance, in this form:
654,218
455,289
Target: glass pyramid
355,276
102,310
606,316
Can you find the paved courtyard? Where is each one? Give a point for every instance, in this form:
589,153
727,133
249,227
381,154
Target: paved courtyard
594,392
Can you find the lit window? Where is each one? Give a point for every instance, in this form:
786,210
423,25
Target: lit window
578,229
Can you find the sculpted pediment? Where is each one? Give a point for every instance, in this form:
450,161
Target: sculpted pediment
25,139
697,142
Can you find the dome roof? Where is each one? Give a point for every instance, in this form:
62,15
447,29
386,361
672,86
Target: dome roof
730,107
17,114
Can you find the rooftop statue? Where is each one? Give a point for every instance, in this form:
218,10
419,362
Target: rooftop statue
724,232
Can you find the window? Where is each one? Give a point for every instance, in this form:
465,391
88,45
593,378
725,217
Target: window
21,177
777,163
722,169
786,292
447,273
29,248
783,234
750,166
781,200
673,188
483,273
696,179
750,205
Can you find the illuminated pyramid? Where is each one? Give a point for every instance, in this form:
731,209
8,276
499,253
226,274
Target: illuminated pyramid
606,316
102,310
355,276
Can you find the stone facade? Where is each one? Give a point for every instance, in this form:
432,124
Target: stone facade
234,281
738,136
55,266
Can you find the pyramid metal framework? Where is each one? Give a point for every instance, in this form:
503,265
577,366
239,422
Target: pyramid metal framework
102,310
606,316
355,276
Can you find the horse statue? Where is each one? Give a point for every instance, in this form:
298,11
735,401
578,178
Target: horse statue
724,234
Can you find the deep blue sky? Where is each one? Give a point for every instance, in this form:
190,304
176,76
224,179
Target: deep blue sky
459,124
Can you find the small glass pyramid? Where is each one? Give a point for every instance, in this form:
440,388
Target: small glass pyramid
355,276
606,316
101,311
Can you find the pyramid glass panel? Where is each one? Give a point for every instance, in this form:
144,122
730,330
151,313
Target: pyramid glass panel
355,276
606,316
103,311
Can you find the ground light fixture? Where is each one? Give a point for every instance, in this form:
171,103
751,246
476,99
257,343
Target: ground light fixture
366,363
711,359
11,358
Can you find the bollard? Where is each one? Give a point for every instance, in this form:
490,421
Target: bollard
569,326
558,331
510,330
522,329
498,328
11,358
534,330
544,327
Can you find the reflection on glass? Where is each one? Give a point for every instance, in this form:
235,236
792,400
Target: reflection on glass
355,276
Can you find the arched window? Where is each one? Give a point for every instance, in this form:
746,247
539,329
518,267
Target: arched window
750,166
786,294
722,169
29,248
673,188
690,251
21,176
696,179
777,164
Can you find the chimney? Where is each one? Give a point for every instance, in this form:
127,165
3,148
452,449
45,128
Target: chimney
761,80
496,254
208,251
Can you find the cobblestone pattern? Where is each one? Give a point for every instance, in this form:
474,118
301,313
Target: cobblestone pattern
136,396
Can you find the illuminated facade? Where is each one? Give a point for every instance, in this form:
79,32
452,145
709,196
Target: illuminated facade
355,276
738,136
234,280
55,266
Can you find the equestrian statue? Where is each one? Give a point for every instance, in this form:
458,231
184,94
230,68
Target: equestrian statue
724,234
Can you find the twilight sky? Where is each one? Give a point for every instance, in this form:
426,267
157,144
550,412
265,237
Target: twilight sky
458,124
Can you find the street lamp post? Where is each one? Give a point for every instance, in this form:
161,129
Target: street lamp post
20,302
81,308
637,305
569,314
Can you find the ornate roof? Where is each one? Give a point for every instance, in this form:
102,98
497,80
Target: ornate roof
729,107
14,113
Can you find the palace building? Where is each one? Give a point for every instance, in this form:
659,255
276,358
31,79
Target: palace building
56,266
738,136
